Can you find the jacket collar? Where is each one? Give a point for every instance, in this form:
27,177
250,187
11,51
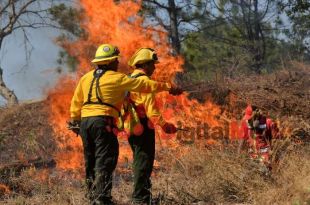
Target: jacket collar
137,71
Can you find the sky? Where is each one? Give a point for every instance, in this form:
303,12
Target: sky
30,80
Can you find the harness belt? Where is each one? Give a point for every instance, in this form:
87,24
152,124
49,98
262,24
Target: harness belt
98,73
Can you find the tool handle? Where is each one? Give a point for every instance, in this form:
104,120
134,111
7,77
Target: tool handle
184,130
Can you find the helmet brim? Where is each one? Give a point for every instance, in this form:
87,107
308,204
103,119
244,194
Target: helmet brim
133,64
100,61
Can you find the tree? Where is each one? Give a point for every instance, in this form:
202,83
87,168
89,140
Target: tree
215,36
175,17
69,19
214,51
21,15
298,12
238,36
254,22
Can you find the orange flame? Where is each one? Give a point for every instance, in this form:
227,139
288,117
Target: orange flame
4,190
119,23
70,151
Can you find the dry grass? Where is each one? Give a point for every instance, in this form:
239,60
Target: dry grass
199,175
212,176
187,175
25,133
45,186
222,177
291,179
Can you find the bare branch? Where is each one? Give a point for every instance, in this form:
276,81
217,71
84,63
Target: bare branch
23,15
157,4
4,7
14,17
161,22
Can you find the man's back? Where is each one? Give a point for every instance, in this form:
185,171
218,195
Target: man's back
111,88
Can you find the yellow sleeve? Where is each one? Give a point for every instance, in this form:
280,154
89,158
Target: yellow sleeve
149,105
77,102
151,109
142,85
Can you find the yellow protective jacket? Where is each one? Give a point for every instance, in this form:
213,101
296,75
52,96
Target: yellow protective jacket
113,86
147,100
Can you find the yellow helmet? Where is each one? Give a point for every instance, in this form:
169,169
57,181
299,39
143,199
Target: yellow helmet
105,54
143,55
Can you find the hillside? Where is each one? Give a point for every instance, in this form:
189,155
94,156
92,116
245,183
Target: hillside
184,174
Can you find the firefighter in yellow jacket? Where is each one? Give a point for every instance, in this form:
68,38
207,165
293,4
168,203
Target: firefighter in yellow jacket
97,100
143,142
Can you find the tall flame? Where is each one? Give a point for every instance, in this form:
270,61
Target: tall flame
119,23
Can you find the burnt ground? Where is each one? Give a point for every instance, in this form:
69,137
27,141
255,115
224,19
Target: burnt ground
25,133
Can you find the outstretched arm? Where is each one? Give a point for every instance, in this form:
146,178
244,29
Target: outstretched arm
142,85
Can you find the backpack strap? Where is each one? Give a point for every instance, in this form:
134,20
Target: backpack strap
90,92
127,93
98,73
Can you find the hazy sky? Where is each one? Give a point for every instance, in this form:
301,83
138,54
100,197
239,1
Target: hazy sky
30,81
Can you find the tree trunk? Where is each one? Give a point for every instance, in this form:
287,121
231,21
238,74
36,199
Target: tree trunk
174,32
6,93
257,40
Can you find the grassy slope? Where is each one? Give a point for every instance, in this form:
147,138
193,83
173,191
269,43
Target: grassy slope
191,174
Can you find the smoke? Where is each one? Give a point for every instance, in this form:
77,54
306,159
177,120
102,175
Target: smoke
30,78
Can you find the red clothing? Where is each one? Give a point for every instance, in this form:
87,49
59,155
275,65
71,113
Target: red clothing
260,137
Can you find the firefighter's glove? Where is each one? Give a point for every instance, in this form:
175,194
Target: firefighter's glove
169,128
74,126
175,91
